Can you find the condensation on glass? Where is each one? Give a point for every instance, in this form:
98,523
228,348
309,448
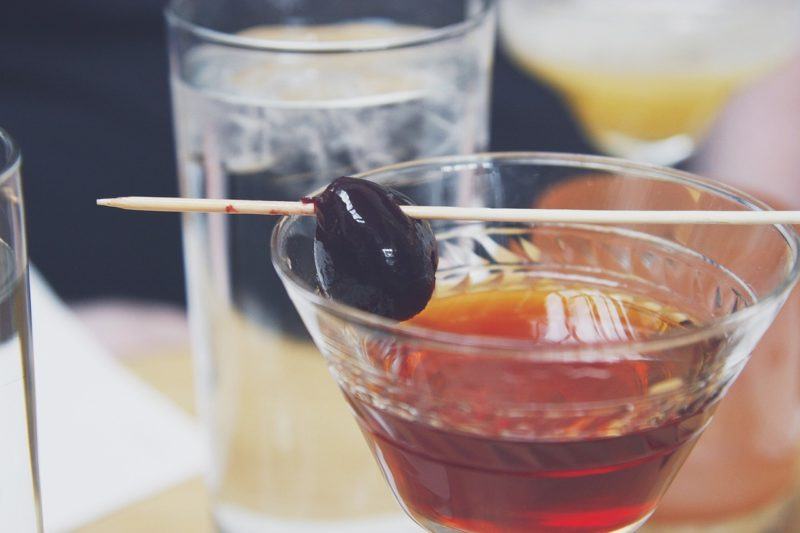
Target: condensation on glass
272,100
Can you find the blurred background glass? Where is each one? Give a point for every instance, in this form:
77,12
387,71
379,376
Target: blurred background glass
19,476
646,79
394,379
270,101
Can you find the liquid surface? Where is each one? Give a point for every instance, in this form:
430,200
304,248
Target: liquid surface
477,455
552,313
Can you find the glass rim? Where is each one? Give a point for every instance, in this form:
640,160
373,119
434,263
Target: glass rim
12,156
430,36
549,5
527,348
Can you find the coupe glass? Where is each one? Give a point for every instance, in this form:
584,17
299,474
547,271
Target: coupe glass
492,433
646,78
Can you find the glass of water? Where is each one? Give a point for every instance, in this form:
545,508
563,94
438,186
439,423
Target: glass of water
19,477
271,100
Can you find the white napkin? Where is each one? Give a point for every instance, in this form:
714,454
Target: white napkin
106,439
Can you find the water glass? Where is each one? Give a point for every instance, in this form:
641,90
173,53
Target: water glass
271,100
19,477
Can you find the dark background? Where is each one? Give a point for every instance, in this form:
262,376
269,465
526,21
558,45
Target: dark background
83,90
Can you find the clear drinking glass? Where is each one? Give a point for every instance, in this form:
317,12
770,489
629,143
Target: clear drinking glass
19,477
271,100
647,78
581,429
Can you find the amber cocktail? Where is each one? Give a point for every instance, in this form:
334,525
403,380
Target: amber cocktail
561,373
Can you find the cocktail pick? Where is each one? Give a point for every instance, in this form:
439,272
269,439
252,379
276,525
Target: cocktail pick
483,214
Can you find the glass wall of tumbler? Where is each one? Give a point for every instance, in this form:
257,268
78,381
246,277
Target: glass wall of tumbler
272,100
19,484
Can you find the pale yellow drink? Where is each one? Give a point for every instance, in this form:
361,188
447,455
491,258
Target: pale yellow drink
647,78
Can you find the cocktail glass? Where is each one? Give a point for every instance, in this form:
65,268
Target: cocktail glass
272,99
646,78
20,507
491,433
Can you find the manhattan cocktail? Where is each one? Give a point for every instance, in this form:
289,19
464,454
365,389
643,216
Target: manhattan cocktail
561,373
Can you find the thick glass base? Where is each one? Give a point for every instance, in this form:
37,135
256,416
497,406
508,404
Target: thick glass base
438,528
667,152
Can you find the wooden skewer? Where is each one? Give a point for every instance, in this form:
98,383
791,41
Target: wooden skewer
485,214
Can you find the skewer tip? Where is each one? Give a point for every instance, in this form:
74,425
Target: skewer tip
106,202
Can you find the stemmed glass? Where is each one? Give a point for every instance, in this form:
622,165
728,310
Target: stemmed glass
478,432
646,78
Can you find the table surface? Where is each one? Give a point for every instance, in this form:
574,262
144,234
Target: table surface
184,507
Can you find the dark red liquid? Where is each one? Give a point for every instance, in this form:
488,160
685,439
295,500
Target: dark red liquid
466,460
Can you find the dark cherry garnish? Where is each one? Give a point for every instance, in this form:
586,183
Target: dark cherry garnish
369,254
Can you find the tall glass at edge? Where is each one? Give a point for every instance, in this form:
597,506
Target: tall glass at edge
271,100
19,485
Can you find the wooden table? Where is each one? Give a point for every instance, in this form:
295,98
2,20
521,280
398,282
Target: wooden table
184,508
